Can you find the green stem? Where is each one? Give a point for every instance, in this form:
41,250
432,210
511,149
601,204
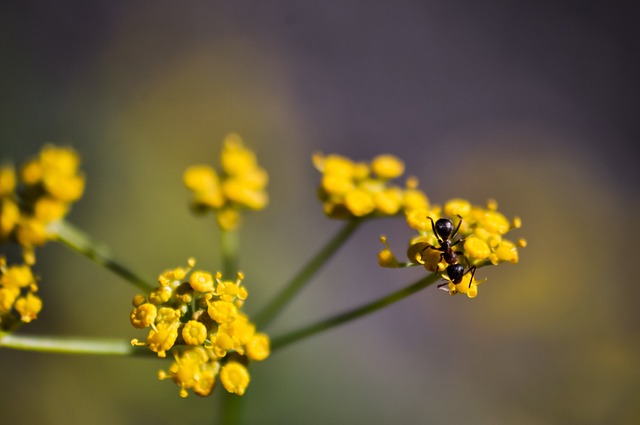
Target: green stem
266,316
80,242
72,345
315,328
229,247
231,410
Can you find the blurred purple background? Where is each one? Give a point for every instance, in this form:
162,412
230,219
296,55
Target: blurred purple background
533,105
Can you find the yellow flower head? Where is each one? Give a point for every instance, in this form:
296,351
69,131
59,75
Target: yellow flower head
202,311
349,189
48,185
240,185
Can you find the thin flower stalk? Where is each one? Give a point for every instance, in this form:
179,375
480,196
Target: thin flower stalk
72,345
269,313
282,341
229,250
74,238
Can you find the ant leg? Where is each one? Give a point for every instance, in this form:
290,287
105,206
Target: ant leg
472,269
457,242
433,226
455,232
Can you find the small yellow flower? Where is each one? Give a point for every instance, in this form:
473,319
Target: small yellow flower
143,315
476,248
464,288
28,307
229,291
337,184
258,347
495,222
8,296
359,202
414,198
9,217
221,343
418,219
222,311
32,232
457,207
66,188
203,181
48,209
388,201
7,180
387,166
31,172
201,281
200,178
194,333
334,165
234,377
506,251
162,337
17,276
236,159
386,257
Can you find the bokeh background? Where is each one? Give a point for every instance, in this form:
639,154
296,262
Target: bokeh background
532,104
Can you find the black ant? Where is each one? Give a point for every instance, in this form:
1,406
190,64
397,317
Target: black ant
456,272
445,234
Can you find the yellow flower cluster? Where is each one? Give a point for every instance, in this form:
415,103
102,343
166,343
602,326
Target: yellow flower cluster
202,314
241,184
48,184
356,189
18,299
479,241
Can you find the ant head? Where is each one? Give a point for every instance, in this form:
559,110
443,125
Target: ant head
455,272
444,228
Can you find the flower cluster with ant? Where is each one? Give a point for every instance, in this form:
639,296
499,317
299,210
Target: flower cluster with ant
455,240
